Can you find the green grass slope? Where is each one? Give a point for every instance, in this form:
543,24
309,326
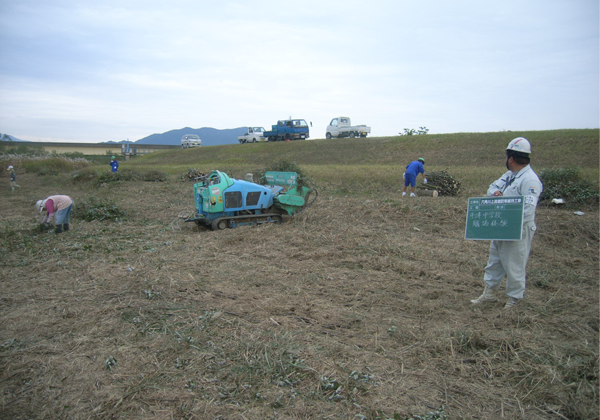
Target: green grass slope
376,164
550,148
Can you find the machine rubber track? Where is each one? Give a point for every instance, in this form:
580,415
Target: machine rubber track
247,219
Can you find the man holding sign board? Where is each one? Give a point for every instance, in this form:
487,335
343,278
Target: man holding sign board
508,258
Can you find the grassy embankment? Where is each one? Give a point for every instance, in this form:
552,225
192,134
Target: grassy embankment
375,164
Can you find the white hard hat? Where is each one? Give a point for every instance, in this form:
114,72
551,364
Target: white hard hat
10,167
40,205
520,144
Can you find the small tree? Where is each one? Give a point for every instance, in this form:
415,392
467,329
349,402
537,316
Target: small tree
412,131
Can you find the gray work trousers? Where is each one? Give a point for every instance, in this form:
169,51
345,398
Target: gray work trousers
509,259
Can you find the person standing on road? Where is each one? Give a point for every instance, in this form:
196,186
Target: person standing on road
13,177
413,169
509,258
114,164
58,207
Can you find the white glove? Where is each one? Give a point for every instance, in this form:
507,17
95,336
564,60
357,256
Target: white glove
403,175
425,181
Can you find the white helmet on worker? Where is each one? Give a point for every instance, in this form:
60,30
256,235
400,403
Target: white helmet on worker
520,144
10,167
40,205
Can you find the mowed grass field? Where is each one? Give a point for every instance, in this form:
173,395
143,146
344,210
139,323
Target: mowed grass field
357,308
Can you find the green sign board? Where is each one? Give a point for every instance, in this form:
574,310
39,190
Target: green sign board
495,218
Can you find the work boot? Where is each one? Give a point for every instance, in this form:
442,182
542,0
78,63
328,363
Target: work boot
489,295
58,229
404,193
66,226
413,195
511,302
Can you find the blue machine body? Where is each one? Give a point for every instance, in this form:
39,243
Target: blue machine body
222,202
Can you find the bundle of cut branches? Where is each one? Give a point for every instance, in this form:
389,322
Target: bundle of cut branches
442,182
193,175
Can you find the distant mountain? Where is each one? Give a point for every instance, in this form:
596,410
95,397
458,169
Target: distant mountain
209,136
8,137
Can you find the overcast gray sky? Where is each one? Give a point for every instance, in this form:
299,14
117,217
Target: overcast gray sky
95,71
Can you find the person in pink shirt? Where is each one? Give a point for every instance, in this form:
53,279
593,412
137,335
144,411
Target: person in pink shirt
57,207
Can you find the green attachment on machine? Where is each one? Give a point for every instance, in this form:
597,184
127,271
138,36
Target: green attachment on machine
292,200
285,179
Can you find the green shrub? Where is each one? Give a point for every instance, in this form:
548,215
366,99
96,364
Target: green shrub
84,175
154,176
122,175
74,155
98,209
105,177
53,165
284,166
567,183
22,149
132,175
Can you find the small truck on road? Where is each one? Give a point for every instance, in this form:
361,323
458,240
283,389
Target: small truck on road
253,135
288,130
342,127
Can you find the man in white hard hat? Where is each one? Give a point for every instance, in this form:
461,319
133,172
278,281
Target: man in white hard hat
509,258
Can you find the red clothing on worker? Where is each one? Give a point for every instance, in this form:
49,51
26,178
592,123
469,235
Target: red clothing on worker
55,203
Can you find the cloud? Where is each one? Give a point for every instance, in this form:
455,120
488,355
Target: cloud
94,71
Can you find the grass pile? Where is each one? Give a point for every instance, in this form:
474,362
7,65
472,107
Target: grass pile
442,182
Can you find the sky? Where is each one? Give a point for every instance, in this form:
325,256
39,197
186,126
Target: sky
112,70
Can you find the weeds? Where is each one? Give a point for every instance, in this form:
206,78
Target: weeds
154,176
567,183
98,210
124,175
285,166
84,175
432,415
110,363
8,345
53,165
21,149
467,342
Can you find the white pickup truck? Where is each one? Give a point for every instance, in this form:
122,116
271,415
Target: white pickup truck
253,135
190,140
342,127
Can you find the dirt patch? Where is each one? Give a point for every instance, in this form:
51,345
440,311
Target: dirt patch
356,308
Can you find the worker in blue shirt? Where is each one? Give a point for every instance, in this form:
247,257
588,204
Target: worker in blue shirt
114,164
413,170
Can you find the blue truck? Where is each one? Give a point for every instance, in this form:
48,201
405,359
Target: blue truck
286,130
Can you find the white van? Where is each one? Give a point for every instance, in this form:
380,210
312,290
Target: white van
190,140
